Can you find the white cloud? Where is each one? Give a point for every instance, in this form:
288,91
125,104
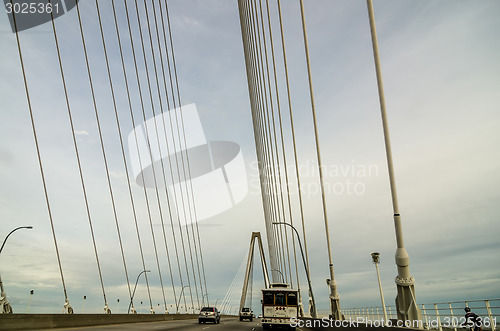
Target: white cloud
81,133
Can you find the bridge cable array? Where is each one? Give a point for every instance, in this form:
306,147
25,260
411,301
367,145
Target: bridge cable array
230,300
39,159
266,107
257,36
188,234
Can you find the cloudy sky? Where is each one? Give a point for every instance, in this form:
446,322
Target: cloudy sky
441,75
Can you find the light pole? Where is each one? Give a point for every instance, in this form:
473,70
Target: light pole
83,305
177,303
133,293
203,297
406,303
376,261
216,302
5,307
282,278
21,227
29,302
312,306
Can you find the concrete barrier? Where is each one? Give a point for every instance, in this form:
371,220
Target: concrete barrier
49,321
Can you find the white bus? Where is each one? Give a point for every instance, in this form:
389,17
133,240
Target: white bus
279,305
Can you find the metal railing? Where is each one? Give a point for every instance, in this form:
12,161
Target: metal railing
440,315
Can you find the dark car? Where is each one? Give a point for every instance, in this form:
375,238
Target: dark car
210,314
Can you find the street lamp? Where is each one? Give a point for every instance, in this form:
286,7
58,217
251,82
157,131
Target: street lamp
376,261
282,278
29,303
83,305
312,306
203,297
5,307
133,293
21,227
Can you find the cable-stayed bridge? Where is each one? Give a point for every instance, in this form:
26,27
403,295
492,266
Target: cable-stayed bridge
133,174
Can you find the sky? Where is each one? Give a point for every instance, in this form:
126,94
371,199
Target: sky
441,77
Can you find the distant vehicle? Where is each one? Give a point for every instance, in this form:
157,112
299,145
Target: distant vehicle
246,314
210,314
279,305
260,316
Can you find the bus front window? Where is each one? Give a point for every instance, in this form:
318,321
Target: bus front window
268,298
292,299
280,299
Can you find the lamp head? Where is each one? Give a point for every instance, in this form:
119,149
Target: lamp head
375,257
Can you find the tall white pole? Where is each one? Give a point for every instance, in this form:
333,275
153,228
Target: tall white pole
381,293
334,295
406,304
29,302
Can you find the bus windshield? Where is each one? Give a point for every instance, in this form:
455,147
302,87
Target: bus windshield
280,298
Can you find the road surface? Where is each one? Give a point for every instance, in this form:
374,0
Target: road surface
227,323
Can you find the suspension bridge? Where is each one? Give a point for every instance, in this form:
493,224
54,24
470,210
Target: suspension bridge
125,184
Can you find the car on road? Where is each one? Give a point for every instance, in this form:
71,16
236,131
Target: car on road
260,316
209,314
246,313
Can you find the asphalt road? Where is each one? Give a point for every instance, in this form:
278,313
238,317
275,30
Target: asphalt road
228,324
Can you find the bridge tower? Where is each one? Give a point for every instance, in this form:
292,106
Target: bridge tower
255,236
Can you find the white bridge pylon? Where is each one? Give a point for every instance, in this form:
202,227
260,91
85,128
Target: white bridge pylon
255,235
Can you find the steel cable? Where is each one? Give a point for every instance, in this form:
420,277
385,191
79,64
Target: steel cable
292,126
253,71
82,182
277,178
283,152
267,133
134,212
186,154
147,134
250,68
96,113
39,158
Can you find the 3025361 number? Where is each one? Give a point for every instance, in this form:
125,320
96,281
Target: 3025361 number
31,8
462,322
